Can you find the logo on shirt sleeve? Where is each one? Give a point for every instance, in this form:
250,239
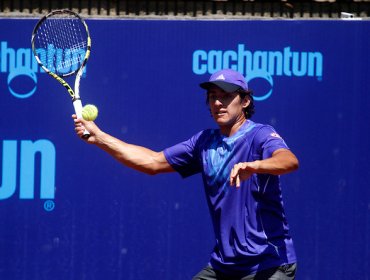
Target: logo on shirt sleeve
274,134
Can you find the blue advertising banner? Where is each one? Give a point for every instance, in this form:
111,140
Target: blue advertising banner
69,211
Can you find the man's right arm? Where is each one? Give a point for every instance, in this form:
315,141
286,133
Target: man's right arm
133,156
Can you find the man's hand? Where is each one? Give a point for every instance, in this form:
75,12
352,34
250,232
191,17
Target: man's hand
281,162
242,171
81,125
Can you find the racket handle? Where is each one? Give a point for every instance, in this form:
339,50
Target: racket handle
77,104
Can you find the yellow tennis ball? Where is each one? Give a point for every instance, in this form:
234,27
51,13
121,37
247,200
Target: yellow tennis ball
89,112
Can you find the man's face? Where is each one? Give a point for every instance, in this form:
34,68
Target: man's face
226,108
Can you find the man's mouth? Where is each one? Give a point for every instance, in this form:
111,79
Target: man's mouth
220,113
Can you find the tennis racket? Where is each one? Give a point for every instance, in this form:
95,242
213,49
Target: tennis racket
61,44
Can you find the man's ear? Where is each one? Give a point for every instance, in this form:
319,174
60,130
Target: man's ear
246,101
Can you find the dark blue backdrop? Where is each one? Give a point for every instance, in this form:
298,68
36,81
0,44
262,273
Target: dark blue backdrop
68,211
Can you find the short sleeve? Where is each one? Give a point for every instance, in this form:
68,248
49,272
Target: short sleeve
267,140
184,157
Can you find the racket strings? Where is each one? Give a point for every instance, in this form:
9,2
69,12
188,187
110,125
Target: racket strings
64,37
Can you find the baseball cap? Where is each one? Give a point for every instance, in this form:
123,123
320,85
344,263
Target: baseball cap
227,79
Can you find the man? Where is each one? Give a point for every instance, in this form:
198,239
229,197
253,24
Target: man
252,239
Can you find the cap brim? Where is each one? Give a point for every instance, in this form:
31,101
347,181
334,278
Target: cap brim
228,87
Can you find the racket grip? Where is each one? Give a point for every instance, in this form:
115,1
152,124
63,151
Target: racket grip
77,104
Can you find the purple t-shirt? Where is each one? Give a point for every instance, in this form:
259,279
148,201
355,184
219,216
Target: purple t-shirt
249,222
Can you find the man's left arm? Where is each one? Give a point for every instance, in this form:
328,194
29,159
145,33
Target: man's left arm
281,162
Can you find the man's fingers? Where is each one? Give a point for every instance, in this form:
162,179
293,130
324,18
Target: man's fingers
237,181
234,176
238,173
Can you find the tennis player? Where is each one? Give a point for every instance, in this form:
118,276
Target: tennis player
241,163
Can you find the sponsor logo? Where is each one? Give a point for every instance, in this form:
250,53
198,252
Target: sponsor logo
221,77
33,157
21,66
260,64
274,134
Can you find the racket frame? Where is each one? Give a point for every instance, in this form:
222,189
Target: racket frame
74,93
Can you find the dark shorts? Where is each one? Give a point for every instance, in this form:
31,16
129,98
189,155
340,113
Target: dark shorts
284,272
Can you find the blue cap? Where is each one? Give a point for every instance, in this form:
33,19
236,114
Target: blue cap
226,79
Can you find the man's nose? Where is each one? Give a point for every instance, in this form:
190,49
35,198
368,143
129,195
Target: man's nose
218,102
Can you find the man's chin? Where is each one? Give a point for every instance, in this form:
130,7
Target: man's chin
221,121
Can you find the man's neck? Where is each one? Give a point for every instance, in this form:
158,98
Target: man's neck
231,130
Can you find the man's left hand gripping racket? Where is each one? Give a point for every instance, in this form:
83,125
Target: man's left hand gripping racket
61,44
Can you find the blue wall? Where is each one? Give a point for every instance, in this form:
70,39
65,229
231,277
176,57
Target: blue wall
68,211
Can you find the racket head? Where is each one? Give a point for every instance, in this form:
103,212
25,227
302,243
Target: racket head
61,42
